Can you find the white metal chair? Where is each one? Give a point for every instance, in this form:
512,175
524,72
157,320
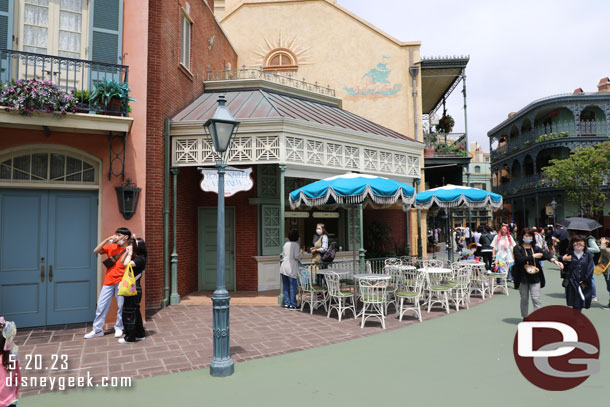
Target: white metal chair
460,285
439,289
392,261
337,298
393,285
494,284
309,293
424,263
479,281
373,297
413,297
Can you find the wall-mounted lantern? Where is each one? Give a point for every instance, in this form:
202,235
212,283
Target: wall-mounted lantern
127,195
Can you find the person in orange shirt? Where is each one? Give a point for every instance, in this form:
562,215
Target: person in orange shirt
114,245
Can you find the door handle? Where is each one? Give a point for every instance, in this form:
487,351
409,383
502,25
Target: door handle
42,273
50,273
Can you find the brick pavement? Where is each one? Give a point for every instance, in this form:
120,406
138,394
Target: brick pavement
179,339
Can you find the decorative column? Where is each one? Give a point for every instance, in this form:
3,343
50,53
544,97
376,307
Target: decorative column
524,214
361,251
537,212
408,212
175,297
419,242
280,298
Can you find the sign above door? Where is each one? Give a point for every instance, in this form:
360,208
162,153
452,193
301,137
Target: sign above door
236,180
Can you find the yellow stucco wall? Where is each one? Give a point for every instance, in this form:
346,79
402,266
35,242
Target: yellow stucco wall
332,48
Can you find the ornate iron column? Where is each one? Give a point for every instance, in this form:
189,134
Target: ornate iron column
361,223
222,364
280,298
175,297
419,242
407,213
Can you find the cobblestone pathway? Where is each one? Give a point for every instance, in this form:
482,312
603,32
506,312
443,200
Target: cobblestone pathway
179,339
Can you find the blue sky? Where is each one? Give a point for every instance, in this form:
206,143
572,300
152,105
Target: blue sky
519,51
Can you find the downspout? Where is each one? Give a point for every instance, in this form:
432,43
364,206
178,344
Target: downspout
166,163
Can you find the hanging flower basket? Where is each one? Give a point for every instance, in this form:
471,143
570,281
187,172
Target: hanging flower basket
445,124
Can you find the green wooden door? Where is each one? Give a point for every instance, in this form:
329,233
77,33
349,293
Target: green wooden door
207,218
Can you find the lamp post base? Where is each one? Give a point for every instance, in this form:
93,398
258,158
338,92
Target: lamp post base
222,364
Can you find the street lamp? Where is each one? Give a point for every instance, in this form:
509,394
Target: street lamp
221,127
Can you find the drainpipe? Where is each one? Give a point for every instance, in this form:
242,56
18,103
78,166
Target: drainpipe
166,161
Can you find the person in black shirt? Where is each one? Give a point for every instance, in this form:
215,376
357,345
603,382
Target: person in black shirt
563,241
132,318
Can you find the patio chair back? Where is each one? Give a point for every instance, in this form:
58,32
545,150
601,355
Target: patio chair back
304,279
392,261
333,282
424,263
409,278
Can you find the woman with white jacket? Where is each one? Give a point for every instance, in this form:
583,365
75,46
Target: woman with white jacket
289,269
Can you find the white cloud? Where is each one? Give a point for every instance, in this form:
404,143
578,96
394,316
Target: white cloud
519,50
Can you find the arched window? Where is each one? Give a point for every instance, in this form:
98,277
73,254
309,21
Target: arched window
45,167
280,60
477,169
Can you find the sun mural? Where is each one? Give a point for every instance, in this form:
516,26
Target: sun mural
282,53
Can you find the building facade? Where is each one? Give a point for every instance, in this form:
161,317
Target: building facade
523,144
58,173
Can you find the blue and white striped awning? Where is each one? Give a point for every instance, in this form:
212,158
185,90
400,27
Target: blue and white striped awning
452,196
353,189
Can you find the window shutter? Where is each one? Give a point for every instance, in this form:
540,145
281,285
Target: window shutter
6,36
6,24
270,228
106,17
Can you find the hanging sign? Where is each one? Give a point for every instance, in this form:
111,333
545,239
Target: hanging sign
236,180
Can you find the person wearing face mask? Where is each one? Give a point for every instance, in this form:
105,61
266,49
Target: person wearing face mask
579,268
320,246
528,280
114,247
502,246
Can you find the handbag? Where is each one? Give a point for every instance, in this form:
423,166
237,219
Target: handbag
109,262
531,269
127,287
601,269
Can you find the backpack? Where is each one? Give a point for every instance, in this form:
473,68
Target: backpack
329,255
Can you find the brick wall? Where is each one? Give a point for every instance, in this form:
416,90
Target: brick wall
170,89
246,240
394,218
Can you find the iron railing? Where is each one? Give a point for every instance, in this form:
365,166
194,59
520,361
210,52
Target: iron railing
271,76
76,76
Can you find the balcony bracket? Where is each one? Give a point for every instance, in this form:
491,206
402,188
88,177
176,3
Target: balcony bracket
117,155
47,131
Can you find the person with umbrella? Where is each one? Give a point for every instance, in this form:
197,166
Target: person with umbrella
583,227
578,266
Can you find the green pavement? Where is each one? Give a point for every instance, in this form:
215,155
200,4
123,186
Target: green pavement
463,359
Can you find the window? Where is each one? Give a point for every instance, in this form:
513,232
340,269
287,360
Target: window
185,40
47,168
54,27
280,60
477,169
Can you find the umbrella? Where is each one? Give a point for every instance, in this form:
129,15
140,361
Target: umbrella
353,189
575,223
453,196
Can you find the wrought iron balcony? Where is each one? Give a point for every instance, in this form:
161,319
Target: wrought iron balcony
526,183
76,76
271,76
544,133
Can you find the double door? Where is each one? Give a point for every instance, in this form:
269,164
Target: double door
47,265
207,222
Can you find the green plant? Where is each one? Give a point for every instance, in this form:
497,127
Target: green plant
445,124
107,90
552,136
430,140
30,95
526,144
82,95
